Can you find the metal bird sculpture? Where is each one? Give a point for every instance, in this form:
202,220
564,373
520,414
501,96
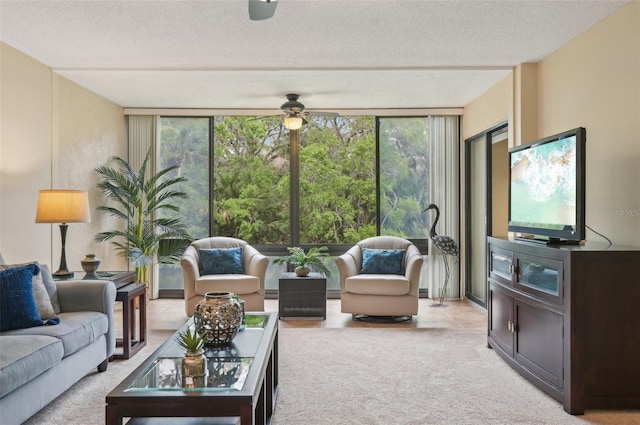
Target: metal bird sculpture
448,247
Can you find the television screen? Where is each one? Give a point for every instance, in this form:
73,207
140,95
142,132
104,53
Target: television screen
547,187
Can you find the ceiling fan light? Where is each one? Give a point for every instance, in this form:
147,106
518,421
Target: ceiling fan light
293,122
262,9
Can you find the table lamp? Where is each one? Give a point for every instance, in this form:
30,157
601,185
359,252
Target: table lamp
63,206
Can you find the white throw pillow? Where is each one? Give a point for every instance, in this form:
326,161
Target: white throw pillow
41,297
52,288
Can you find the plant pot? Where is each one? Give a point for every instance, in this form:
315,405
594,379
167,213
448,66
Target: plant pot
194,370
302,271
217,318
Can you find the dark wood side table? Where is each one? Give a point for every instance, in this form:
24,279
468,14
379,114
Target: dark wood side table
302,296
128,295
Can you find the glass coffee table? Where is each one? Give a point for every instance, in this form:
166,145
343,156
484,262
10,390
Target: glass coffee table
241,384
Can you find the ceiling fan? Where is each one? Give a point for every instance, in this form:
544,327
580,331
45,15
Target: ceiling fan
262,9
296,114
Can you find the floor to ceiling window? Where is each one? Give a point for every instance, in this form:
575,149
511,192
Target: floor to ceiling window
337,162
251,179
340,182
404,178
275,189
404,174
184,141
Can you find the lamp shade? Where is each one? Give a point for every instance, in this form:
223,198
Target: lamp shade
63,206
293,122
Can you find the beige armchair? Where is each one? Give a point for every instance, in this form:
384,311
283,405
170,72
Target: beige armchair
249,285
380,294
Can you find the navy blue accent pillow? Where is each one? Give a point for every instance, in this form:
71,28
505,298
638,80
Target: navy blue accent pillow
221,261
382,261
17,306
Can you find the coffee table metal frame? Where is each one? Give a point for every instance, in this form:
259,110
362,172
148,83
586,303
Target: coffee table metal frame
253,404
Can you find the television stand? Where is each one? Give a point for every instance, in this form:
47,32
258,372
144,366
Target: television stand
566,317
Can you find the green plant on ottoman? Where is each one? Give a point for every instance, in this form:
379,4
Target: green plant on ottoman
303,262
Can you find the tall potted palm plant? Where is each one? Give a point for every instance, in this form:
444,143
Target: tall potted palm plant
138,200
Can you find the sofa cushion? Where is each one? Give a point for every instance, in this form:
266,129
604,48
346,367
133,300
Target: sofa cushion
382,261
45,291
241,283
41,298
23,358
76,330
221,261
52,288
17,305
377,284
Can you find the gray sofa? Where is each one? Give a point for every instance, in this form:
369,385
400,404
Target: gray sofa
37,364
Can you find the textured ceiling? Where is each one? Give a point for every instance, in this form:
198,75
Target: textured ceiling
338,54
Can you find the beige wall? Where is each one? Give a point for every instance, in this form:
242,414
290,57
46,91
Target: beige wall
525,105
25,155
594,82
54,133
493,107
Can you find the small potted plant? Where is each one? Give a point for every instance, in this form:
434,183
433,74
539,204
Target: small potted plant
194,363
305,262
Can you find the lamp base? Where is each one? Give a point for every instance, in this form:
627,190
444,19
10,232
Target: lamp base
62,274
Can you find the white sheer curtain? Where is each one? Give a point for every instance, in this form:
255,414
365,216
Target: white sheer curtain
444,191
142,132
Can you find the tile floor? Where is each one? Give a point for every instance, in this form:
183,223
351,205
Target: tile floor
168,314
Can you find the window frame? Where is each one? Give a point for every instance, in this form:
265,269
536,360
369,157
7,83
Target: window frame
334,249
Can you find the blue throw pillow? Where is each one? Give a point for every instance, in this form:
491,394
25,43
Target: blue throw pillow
221,261
17,306
382,261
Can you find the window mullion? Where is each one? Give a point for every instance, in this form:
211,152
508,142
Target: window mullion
294,187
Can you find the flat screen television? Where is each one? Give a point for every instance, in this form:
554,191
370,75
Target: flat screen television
547,188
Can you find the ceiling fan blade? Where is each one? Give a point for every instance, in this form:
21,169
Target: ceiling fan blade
262,9
323,114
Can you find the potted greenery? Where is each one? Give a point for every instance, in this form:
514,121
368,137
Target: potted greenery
305,262
191,341
139,199
194,363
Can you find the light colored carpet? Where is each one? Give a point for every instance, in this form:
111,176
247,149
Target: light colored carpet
382,376
370,376
84,403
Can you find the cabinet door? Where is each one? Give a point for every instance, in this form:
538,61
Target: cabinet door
539,276
539,342
501,318
500,265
